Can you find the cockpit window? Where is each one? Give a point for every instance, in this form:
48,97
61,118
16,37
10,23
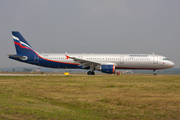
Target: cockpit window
165,59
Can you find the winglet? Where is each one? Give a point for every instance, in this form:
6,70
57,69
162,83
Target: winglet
67,57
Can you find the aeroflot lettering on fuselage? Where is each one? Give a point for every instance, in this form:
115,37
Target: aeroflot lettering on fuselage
138,55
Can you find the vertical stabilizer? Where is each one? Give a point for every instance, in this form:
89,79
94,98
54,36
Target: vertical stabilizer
21,45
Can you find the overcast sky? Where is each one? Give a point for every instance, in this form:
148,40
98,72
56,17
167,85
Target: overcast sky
92,26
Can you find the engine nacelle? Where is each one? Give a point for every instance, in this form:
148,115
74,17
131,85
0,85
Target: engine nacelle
108,69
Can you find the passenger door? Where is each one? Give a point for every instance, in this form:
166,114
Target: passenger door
155,59
122,59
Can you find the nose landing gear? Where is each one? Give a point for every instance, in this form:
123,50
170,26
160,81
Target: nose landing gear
154,72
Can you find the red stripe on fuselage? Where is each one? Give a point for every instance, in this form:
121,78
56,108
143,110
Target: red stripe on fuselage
58,61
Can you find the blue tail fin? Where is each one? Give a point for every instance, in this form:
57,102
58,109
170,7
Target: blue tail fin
22,46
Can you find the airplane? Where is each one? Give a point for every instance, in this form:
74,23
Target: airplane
106,63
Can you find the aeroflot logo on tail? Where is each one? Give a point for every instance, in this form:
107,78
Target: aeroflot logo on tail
138,55
21,44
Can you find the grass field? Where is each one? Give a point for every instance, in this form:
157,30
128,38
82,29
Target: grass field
144,97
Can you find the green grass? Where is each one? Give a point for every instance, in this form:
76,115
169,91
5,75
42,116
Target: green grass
90,97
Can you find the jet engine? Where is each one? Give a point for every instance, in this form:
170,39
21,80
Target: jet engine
106,69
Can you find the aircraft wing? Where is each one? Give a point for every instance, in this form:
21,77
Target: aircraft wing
84,63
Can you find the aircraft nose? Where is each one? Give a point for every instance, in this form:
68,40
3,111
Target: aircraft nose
171,64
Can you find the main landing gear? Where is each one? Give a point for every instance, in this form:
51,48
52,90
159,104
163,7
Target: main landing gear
154,72
90,73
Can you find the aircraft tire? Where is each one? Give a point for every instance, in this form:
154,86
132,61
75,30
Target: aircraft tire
90,73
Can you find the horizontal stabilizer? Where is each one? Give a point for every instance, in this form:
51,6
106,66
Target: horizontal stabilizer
19,57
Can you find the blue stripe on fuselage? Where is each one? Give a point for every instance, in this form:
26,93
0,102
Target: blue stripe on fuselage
45,63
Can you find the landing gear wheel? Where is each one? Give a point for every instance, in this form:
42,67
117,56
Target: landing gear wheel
93,73
90,73
154,72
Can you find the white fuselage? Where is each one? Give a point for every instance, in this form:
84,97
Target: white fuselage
121,61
